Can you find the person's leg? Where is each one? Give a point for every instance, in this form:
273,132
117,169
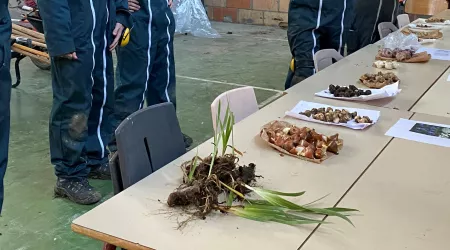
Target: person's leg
336,24
304,20
99,124
364,26
5,95
134,62
162,81
71,82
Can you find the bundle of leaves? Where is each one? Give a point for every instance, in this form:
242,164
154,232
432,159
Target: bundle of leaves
219,183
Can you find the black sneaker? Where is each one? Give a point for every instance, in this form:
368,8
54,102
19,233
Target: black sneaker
187,141
78,191
101,172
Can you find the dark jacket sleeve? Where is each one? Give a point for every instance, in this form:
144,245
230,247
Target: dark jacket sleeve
57,26
123,16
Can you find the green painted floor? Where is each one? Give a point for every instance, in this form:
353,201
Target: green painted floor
33,219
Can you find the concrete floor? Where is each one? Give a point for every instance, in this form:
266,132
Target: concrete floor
33,219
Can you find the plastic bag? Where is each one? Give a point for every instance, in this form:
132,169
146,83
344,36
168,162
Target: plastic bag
398,40
190,17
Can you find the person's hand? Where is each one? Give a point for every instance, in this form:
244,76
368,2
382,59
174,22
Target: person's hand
117,33
70,56
170,3
133,5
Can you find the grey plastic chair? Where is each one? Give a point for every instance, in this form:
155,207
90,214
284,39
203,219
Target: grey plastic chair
146,141
324,58
403,20
386,28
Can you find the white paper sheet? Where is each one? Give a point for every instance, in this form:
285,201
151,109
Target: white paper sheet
303,106
448,78
385,92
426,132
437,54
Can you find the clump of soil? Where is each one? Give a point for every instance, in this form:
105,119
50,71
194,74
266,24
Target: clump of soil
203,190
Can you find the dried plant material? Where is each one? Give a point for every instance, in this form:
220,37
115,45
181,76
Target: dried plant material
330,115
378,80
303,143
407,56
364,119
430,34
350,91
435,20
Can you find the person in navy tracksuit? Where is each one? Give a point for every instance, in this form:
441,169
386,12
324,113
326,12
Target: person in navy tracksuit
5,91
315,25
80,35
146,66
367,16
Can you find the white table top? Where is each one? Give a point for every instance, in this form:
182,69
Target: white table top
136,216
436,100
415,78
404,199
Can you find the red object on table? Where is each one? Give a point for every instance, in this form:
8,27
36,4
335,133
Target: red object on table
31,3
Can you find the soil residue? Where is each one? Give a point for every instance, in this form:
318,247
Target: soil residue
203,190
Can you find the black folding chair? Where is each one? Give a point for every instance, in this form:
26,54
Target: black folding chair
146,141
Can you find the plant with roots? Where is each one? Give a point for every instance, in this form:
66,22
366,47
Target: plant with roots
219,183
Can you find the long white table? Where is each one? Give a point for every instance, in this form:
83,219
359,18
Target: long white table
136,217
415,78
404,198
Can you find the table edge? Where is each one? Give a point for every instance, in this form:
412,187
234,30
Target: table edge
107,238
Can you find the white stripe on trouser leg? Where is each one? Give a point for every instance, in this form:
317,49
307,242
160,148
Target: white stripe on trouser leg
376,20
168,62
105,83
148,53
393,11
313,35
342,26
93,45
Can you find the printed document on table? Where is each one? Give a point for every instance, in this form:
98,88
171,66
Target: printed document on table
426,132
437,54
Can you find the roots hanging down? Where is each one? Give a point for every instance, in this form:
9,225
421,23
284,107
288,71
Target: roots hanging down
202,190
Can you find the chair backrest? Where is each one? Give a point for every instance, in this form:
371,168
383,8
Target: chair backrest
403,20
324,58
242,102
148,140
386,28
116,175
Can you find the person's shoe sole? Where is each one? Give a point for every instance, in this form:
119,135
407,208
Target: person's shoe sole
61,193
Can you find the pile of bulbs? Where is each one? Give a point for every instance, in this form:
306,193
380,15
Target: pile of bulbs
386,65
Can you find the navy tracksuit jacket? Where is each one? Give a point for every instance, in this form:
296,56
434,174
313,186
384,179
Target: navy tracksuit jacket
5,90
316,25
80,126
146,66
367,16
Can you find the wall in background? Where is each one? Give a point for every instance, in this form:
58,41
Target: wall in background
261,12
